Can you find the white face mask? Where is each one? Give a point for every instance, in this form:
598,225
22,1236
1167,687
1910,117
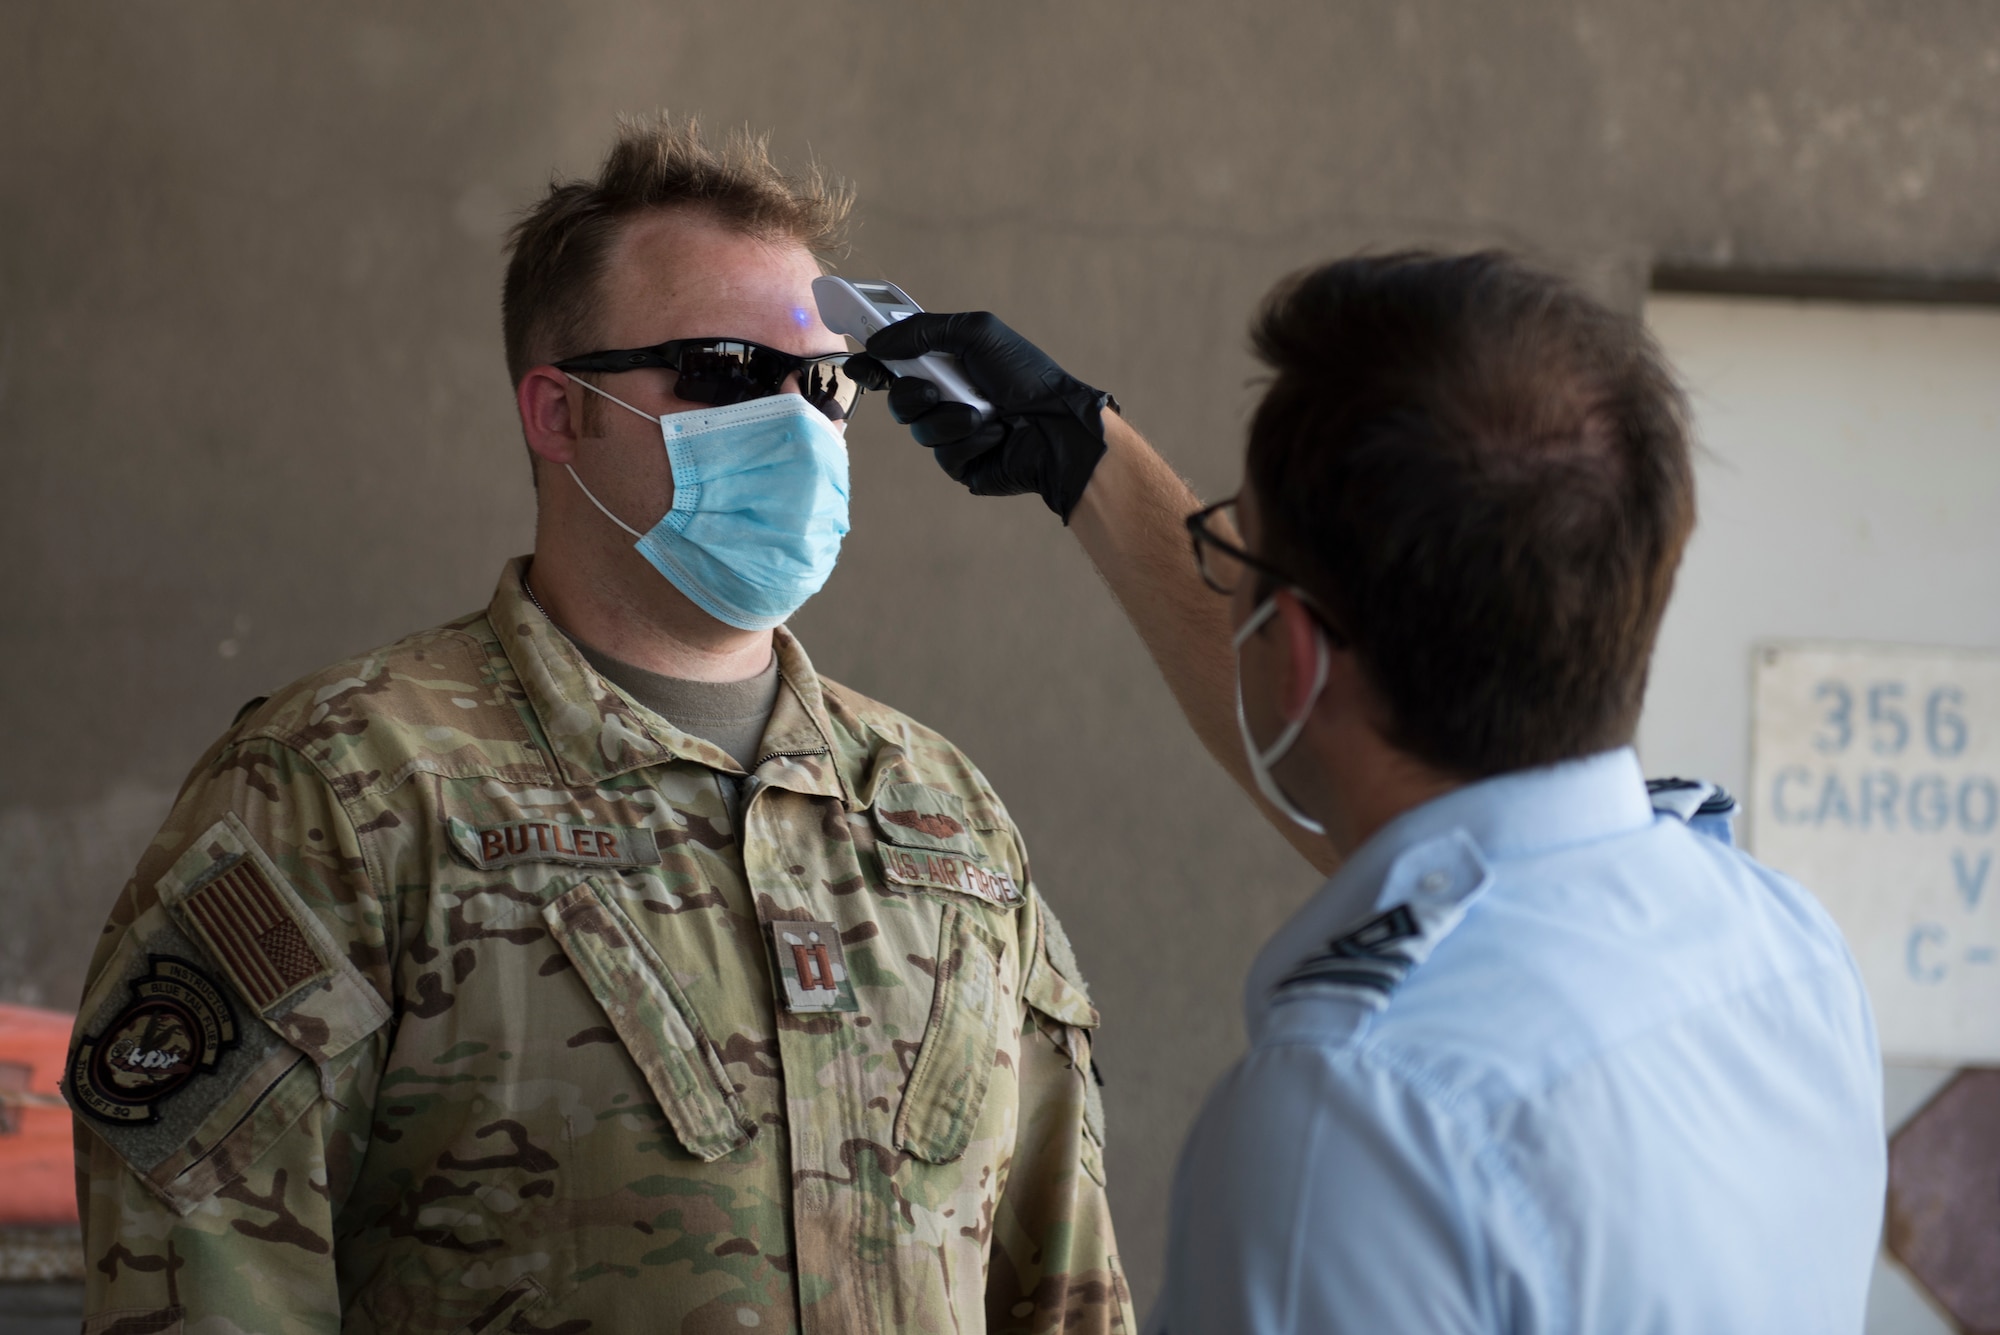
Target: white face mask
1261,760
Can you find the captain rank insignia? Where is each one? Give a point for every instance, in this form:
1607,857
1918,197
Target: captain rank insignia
812,970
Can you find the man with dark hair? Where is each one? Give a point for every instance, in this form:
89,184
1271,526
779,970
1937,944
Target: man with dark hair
590,963
1540,1055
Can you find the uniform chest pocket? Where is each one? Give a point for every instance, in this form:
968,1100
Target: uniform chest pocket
926,844
947,1087
652,1018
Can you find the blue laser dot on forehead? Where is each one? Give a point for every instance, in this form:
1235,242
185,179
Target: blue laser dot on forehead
802,315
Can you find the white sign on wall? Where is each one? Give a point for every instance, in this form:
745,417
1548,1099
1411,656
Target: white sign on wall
1875,781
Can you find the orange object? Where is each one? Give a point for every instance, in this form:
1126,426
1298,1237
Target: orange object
37,1157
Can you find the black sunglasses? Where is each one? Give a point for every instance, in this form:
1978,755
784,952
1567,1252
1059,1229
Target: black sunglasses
731,370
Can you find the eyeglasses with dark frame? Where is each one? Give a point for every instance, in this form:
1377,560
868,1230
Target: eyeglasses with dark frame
722,371
1223,562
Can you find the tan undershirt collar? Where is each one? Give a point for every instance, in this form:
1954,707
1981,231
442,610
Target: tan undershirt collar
731,714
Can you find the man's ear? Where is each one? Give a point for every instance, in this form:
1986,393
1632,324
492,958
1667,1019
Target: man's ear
548,418
1303,645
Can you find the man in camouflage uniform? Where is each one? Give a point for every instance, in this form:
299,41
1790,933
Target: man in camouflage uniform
462,991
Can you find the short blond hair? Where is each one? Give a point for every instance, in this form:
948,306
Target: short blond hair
557,252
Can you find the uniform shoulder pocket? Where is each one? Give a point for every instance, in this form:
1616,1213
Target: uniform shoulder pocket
947,1087
229,895
652,1018
169,1070
219,1021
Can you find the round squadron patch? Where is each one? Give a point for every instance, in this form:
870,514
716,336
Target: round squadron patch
177,1024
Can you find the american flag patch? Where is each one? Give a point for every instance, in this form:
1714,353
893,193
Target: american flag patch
254,935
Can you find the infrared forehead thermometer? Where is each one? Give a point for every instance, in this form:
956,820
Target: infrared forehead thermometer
861,309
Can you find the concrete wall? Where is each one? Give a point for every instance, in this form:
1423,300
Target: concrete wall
254,416
1848,487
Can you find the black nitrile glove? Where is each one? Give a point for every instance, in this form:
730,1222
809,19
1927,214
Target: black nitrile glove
1048,430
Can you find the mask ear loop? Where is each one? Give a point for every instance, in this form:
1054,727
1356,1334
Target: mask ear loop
613,397
1262,759
579,481
1322,668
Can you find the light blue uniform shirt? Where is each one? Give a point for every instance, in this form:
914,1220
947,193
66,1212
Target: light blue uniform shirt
1540,1060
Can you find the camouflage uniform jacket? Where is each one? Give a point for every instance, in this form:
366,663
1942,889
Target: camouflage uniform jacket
460,992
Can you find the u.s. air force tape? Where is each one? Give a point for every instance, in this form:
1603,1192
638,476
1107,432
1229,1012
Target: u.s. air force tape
930,869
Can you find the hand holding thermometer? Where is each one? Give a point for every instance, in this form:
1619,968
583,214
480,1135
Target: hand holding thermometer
862,309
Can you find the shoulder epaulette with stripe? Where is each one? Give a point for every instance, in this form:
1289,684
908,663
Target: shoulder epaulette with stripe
1425,894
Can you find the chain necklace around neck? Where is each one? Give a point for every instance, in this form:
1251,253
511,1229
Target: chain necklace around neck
529,589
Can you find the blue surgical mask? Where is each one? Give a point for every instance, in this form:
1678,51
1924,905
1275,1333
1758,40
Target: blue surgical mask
760,506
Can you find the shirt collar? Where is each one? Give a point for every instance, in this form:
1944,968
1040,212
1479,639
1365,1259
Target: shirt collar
1444,845
596,732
